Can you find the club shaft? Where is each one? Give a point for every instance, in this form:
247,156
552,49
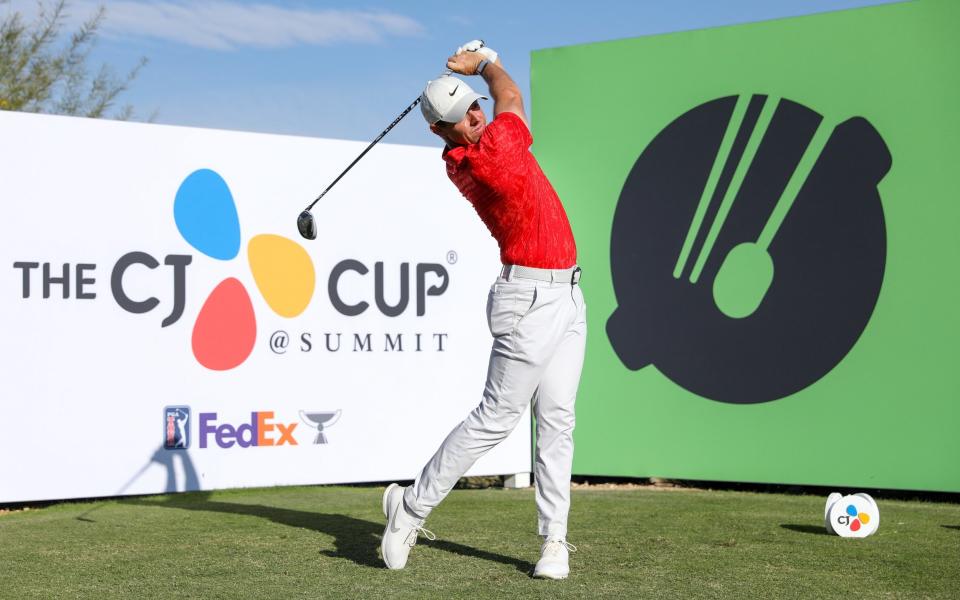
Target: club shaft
367,149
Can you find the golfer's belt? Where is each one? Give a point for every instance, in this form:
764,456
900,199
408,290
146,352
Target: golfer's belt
571,275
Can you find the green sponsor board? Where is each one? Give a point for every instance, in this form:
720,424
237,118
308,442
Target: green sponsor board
767,218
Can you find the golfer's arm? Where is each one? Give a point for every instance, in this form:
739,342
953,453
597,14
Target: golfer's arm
506,95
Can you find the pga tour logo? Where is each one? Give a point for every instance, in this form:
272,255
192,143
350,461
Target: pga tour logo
176,434
855,516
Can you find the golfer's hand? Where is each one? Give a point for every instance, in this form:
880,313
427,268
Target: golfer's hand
471,46
465,63
479,47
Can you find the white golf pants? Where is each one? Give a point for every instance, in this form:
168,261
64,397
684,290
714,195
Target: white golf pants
539,334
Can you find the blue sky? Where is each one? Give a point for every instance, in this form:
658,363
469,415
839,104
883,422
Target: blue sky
345,70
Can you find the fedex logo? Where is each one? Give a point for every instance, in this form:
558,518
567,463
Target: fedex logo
260,431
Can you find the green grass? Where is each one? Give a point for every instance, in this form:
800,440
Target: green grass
323,542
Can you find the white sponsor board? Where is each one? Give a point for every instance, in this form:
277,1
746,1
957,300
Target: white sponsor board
116,353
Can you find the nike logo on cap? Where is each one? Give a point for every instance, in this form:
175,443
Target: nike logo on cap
455,89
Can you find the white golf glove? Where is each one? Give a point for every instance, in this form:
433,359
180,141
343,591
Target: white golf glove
477,46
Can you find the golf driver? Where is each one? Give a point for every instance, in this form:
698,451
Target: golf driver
305,222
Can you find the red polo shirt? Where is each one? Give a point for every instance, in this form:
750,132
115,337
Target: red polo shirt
506,186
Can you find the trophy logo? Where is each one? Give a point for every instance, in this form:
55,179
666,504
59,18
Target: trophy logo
320,420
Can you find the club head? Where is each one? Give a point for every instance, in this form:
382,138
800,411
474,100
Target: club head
307,226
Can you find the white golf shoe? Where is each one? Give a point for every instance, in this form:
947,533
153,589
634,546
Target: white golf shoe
554,560
400,535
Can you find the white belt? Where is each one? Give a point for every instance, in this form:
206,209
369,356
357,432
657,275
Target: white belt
571,275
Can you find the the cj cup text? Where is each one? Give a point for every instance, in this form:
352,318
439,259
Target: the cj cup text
79,280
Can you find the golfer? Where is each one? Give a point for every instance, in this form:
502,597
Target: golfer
535,309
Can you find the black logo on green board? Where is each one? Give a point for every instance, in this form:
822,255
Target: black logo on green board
748,248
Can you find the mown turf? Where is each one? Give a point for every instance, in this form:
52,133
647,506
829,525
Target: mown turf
323,542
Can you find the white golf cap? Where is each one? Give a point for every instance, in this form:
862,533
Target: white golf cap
447,99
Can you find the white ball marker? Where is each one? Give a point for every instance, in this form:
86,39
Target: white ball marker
854,516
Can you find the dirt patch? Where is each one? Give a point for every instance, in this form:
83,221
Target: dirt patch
609,486
659,486
4,511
